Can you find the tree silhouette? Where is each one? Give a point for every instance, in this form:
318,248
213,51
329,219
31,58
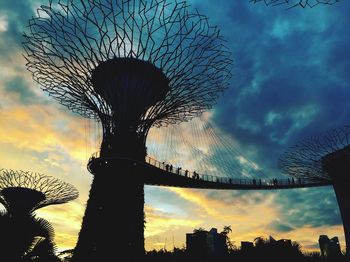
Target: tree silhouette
23,238
230,244
324,157
296,3
23,235
131,65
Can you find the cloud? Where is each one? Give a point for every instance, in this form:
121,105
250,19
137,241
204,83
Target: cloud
43,129
161,226
66,220
290,80
3,23
277,225
18,86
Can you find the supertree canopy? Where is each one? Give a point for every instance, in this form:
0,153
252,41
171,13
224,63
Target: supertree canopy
296,3
309,158
324,158
25,192
130,64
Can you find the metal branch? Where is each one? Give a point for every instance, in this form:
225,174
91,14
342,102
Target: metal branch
69,39
296,3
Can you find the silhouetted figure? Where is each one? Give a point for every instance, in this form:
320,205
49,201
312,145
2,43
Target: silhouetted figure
132,65
171,168
167,167
186,173
254,181
178,170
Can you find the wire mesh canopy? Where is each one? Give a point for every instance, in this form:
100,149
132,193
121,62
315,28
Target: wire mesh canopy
306,159
296,3
25,190
69,39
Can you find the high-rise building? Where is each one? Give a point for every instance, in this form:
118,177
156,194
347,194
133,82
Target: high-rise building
206,243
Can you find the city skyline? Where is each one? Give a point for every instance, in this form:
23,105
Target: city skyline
291,65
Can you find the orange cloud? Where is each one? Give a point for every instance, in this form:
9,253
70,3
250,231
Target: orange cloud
66,220
161,226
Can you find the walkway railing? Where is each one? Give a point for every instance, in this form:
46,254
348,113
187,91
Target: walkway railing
169,168
224,180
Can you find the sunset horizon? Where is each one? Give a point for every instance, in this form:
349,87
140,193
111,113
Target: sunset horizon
290,81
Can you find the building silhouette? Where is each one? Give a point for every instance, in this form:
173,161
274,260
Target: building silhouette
247,246
329,247
280,244
204,242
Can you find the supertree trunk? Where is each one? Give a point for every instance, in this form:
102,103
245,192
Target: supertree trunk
115,212
337,166
343,197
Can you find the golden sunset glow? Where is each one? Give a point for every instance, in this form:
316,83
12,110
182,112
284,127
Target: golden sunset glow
276,98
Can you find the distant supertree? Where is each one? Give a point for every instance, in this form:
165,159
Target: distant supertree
25,192
131,65
23,235
324,158
296,3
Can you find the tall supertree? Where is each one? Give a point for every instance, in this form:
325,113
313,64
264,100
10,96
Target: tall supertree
131,65
296,3
321,158
23,234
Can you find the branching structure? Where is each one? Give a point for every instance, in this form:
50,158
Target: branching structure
324,158
296,3
25,192
23,235
131,65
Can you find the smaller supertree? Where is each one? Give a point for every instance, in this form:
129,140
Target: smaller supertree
324,158
23,235
296,3
22,191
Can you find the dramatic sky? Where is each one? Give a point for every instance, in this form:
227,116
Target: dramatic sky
291,79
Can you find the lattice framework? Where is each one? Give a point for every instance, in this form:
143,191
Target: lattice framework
304,160
55,190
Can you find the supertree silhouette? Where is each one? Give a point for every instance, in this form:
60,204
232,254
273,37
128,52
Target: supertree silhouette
324,158
23,235
296,3
23,192
131,65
